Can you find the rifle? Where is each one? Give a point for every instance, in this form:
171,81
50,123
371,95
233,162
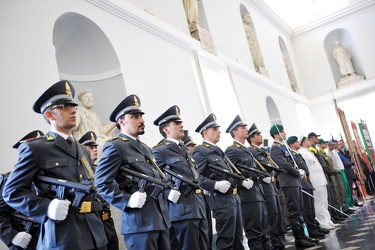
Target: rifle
244,167
275,166
227,172
63,189
143,181
178,179
22,223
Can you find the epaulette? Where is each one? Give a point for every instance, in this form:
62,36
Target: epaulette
230,146
237,145
49,137
166,143
252,146
124,138
314,150
112,139
31,139
207,145
157,145
199,145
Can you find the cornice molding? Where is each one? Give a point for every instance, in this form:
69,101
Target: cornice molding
346,12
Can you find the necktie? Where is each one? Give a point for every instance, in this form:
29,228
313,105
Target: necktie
72,144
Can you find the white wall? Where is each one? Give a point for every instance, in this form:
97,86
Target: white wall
312,60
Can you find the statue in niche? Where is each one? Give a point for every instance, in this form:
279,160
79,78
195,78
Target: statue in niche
192,15
253,42
88,120
343,59
289,69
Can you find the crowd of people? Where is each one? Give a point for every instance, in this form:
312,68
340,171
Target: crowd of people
57,197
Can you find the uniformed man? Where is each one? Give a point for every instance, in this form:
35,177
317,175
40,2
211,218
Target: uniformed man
224,199
13,231
312,224
89,141
275,214
188,215
331,174
145,220
190,144
63,226
254,210
290,183
313,137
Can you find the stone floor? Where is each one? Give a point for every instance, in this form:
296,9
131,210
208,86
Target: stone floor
356,232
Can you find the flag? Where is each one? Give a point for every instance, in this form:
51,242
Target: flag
367,141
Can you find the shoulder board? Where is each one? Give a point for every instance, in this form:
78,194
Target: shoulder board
252,146
207,145
123,138
166,143
49,137
113,139
31,139
157,145
199,145
314,150
230,146
237,145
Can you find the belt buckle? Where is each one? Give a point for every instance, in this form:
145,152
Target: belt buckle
85,207
198,191
234,191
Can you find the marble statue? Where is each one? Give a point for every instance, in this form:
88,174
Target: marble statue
192,15
252,41
343,59
88,120
289,69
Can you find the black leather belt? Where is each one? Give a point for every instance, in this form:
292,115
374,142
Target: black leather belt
87,207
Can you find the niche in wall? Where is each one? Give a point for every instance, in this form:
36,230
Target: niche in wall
86,57
273,112
346,67
288,65
252,40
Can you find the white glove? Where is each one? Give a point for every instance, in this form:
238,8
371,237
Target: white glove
174,195
301,173
58,209
137,200
266,179
22,239
222,186
247,183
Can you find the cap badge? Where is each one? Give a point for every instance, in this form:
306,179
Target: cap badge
177,111
67,89
214,117
92,137
136,101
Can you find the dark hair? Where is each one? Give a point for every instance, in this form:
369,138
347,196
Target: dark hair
161,127
231,132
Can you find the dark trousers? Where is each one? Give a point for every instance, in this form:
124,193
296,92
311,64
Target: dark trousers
309,211
255,223
148,240
229,228
293,196
192,234
110,231
275,218
209,218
